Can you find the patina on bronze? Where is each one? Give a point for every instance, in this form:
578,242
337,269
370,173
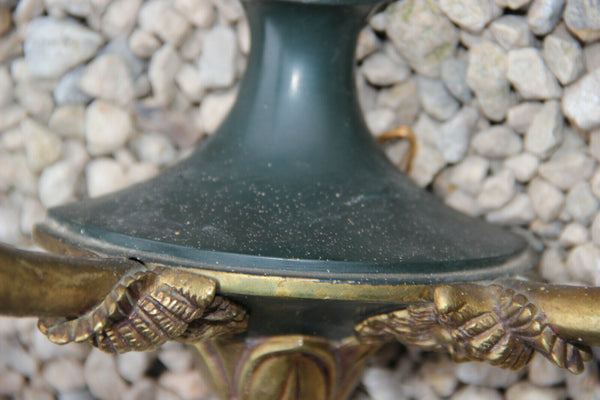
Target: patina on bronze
287,248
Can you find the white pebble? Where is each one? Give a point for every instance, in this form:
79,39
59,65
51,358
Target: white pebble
199,12
380,120
520,116
565,169
564,57
435,99
581,204
481,374
6,87
472,15
463,202
67,91
57,184
468,174
595,230
585,386
188,385
518,211
454,75
120,18
37,102
403,99
42,146
472,392
528,391
214,109
64,375
188,81
103,381
108,78
486,76
545,133
163,68
132,366
530,76
511,32
160,18
547,200
68,121
543,15
176,358
583,264
496,190
107,127
583,19
453,137
381,384
11,383
380,70
32,213
143,43
553,269
422,34
499,141
574,234
523,166
426,164
581,103
218,60
591,56
52,46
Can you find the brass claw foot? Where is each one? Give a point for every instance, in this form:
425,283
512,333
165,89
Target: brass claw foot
503,324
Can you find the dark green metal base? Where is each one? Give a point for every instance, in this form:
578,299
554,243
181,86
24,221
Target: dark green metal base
293,184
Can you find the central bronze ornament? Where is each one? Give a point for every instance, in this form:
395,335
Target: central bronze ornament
288,249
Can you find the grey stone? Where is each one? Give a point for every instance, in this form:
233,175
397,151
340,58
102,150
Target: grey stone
67,91
486,76
108,77
160,18
381,70
583,19
422,34
497,190
543,15
435,99
565,169
523,166
498,141
52,47
530,76
545,133
520,116
217,63
454,75
581,204
480,12
107,127
511,32
581,103
564,57
454,135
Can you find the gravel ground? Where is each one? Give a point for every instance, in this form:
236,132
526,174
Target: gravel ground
503,96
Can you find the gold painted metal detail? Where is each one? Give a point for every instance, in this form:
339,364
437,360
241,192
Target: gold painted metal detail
503,324
146,308
291,367
402,132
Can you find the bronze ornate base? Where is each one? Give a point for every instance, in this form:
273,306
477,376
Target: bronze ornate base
292,367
